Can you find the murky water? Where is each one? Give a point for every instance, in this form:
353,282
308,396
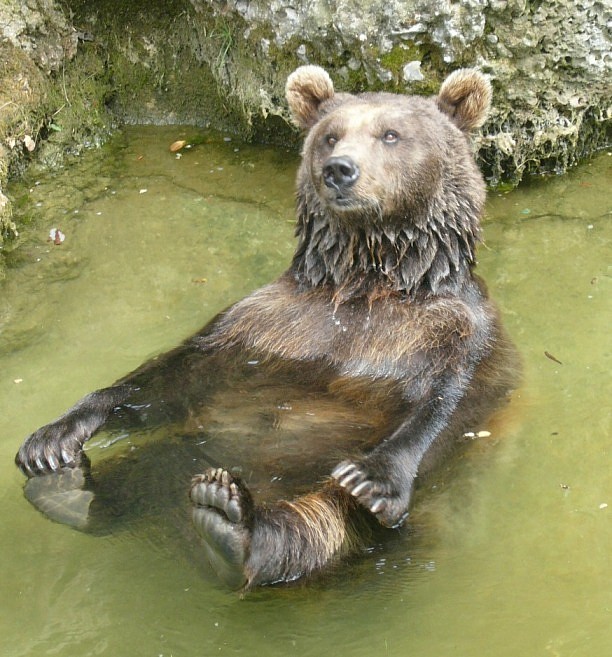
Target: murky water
510,555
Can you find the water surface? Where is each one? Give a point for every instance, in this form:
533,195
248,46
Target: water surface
509,555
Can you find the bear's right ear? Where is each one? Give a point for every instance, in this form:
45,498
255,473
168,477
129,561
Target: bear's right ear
307,87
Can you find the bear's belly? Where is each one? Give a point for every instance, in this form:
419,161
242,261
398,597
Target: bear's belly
282,425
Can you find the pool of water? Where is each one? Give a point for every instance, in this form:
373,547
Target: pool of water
509,555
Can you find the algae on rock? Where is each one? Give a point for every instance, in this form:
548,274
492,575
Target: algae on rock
550,63
51,102
224,62
69,70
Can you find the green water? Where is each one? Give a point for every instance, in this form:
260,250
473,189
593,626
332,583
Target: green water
509,556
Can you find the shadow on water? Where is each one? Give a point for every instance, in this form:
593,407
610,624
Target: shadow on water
507,552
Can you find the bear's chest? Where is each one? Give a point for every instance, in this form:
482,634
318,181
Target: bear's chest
382,338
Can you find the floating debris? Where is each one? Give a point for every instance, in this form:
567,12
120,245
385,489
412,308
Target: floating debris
478,434
29,143
56,236
549,355
178,145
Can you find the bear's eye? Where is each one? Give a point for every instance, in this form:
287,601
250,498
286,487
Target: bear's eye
390,137
331,140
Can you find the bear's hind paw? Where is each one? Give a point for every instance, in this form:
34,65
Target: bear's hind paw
222,507
217,489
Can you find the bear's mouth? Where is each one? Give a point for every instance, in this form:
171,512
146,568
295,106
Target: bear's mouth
339,198
347,203
343,205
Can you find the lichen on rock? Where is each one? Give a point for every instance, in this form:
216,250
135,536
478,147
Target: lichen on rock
550,63
51,102
63,66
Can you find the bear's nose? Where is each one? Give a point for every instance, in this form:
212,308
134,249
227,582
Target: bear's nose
340,172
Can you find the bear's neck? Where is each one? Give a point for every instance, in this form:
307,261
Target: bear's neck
408,257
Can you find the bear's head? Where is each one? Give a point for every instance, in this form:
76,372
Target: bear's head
389,176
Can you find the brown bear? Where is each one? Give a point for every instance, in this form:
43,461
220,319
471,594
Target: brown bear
319,399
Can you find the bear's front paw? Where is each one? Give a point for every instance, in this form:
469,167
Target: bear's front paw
47,450
389,507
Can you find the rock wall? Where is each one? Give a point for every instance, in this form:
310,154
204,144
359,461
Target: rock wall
69,70
550,62
51,101
32,39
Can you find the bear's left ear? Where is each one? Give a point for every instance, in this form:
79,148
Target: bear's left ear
465,96
307,87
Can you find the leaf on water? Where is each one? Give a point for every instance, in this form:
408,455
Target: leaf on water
551,357
176,146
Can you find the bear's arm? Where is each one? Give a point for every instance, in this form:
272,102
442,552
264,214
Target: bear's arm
59,443
154,393
442,379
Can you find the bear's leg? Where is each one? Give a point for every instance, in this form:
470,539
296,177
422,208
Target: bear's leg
148,396
250,545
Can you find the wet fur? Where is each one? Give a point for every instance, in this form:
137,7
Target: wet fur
379,335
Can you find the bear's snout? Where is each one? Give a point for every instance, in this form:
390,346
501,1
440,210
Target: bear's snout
340,173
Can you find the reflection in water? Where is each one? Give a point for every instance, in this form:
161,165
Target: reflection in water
515,535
